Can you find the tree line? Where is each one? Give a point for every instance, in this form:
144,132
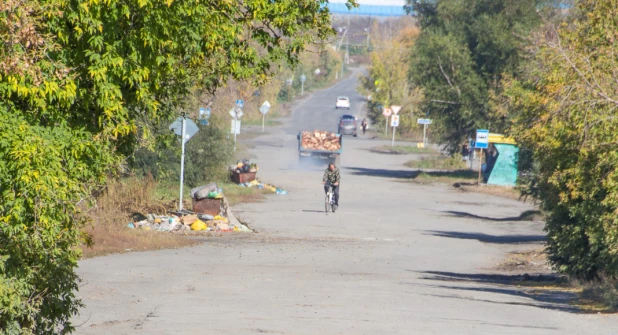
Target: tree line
542,72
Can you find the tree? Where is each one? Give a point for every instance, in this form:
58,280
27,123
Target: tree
564,112
81,85
386,80
464,49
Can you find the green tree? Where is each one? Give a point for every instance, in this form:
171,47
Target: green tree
387,78
81,85
564,112
464,50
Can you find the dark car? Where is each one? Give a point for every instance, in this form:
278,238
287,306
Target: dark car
347,125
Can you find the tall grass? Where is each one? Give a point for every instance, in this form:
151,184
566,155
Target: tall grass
438,163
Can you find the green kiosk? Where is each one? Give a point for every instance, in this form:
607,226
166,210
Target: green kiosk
501,159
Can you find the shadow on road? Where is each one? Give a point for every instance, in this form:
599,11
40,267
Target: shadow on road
313,211
529,215
554,298
486,238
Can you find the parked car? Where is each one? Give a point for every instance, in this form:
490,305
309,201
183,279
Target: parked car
342,102
347,125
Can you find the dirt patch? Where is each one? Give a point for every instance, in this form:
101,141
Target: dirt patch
525,261
499,191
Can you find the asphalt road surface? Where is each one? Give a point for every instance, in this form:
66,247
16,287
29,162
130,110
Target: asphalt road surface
397,258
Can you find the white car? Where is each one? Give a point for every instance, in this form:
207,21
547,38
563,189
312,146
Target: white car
342,102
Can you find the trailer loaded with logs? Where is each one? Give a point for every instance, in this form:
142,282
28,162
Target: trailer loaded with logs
319,147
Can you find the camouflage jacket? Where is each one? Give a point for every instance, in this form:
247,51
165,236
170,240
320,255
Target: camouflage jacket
331,177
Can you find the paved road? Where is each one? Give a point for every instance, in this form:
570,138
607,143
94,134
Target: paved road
397,258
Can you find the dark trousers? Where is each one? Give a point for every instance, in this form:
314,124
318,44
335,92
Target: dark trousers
335,191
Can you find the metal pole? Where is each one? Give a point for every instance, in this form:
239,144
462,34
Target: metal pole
182,160
234,130
263,116
393,142
386,126
480,165
302,87
424,135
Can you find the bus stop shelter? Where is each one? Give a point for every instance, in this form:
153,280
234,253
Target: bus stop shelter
501,161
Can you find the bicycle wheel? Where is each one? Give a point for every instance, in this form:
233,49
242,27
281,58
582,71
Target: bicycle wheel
327,203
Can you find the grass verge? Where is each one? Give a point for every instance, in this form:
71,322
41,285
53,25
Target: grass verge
402,149
438,163
129,199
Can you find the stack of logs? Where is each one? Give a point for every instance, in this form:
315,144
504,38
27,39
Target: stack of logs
320,140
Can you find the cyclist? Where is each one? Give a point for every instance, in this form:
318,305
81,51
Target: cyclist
332,178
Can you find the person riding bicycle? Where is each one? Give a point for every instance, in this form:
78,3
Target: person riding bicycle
331,178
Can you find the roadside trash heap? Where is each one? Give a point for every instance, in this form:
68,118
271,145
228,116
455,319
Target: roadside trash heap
210,213
244,174
244,171
320,140
245,166
263,186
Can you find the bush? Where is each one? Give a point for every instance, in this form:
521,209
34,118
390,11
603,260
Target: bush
207,156
45,174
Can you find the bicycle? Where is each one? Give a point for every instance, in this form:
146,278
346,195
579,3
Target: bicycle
329,203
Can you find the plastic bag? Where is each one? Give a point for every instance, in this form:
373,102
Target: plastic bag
199,225
203,191
220,218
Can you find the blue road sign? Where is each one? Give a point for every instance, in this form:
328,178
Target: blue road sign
482,139
204,113
240,103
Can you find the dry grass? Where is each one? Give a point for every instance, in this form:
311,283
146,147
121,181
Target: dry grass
237,194
529,261
495,190
120,203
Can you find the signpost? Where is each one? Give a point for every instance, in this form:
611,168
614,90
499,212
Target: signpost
425,123
303,78
394,124
482,142
387,112
236,114
264,109
185,128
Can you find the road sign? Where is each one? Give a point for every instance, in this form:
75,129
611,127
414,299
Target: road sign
240,103
395,109
317,71
395,121
236,113
190,128
204,113
387,112
303,78
482,139
424,121
265,107
235,127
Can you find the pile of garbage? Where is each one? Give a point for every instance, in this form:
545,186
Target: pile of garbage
263,186
244,166
320,140
210,191
187,222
